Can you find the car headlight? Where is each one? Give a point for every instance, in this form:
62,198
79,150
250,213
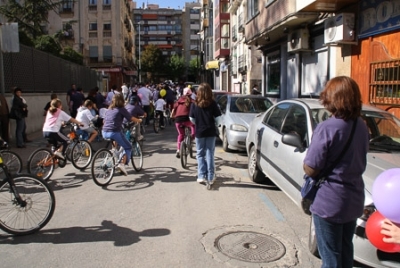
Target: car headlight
237,127
368,210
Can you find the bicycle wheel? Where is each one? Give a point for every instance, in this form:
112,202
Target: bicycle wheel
137,156
183,154
190,146
103,167
12,161
81,154
36,210
156,124
168,117
41,163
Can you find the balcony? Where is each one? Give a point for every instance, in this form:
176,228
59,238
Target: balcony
107,34
92,7
106,7
92,34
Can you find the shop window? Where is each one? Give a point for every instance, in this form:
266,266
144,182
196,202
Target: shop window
385,82
274,75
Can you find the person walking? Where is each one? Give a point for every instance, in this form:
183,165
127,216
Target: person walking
181,110
145,95
70,92
4,119
77,100
205,114
19,111
255,90
340,198
110,95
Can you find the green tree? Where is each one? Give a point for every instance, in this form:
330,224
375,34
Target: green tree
29,14
194,69
49,44
71,55
176,67
152,61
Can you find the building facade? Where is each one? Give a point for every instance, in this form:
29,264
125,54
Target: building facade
102,31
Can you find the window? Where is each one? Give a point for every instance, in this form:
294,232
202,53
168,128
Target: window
252,8
274,118
384,85
107,26
93,54
107,53
93,26
274,74
93,3
67,5
106,2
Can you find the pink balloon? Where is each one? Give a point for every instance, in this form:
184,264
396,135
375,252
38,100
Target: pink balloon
386,194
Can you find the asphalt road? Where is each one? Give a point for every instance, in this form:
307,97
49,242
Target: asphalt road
161,217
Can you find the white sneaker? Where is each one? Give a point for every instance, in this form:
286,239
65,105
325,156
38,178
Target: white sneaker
122,168
59,155
212,181
201,180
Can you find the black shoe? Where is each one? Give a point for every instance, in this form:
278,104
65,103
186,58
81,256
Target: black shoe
22,146
178,154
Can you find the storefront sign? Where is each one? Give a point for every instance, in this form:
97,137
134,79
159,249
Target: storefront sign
378,16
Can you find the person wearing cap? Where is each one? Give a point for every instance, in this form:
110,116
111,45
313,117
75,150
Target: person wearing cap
181,113
134,108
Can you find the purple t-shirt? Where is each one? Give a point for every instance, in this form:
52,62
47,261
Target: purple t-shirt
340,198
134,110
113,119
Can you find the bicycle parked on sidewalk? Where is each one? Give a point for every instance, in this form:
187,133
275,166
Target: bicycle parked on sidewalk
27,202
186,147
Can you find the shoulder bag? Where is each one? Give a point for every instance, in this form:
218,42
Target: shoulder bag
310,186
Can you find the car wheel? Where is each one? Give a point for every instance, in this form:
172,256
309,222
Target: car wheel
225,143
255,173
312,240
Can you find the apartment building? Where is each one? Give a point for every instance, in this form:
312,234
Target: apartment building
102,31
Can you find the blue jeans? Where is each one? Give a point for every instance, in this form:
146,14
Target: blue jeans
205,157
19,131
120,138
335,242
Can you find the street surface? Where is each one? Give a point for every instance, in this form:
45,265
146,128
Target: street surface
161,217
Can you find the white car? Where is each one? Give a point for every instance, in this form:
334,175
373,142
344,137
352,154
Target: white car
275,152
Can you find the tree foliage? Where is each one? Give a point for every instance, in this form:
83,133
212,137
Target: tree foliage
29,14
71,55
176,67
194,68
48,44
152,60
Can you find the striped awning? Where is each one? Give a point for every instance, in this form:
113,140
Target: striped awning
214,64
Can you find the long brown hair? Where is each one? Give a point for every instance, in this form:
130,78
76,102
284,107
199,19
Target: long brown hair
204,96
342,98
117,101
54,105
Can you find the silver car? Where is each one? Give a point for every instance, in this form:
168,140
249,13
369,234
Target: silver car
275,152
237,113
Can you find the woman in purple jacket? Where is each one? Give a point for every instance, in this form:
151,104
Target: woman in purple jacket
112,127
340,198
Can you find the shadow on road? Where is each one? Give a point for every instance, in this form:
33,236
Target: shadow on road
108,231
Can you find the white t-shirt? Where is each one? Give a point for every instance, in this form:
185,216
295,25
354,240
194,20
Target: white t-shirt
159,105
84,116
54,121
124,91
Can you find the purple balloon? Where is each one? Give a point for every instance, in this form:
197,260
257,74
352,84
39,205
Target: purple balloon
386,194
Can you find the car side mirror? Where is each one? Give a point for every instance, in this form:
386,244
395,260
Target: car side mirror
293,139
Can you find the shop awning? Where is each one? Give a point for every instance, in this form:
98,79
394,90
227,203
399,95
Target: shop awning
214,64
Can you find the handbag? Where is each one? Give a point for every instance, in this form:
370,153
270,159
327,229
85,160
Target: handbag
311,185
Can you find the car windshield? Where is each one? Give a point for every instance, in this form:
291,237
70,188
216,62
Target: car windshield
384,128
249,105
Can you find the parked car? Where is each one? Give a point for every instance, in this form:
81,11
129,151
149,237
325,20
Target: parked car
275,152
237,113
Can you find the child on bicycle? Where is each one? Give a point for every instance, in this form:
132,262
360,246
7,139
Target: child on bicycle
112,128
159,107
51,129
181,111
86,117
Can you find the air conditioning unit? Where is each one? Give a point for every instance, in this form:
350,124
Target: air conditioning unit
339,29
298,40
173,42
172,32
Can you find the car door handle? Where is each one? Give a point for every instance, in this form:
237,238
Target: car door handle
276,144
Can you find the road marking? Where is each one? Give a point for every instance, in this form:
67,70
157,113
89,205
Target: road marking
271,207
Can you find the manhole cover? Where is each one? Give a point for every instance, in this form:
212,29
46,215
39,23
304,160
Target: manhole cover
250,246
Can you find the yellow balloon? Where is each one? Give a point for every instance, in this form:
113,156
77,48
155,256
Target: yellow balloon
163,92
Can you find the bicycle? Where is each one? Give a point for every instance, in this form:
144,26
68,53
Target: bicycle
79,151
11,160
27,202
137,155
167,116
156,122
186,147
104,163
